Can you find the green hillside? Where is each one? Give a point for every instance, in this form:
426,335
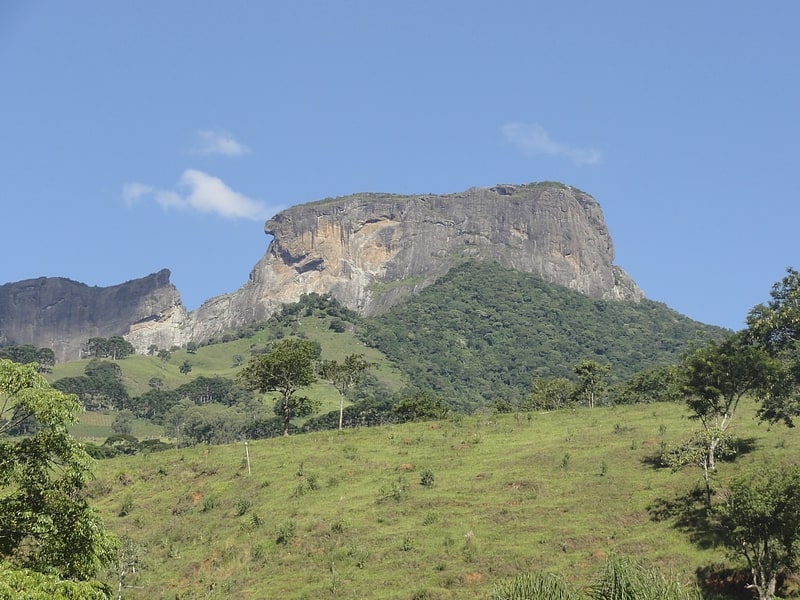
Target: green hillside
437,510
482,333
479,336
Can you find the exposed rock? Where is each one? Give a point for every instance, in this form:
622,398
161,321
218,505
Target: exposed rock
369,251
58,313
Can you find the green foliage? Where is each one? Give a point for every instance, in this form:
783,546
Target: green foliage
115,348
47,525
26,584
760,521
716,378
535,586
620,579
775,328
776,325
482,332
657,384
44,357
288,367
550,394
624,579
420,406
591,381
426,478
123,421
287,531
344,376
100,387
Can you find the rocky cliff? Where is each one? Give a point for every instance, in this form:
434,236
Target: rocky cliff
58,313
371,251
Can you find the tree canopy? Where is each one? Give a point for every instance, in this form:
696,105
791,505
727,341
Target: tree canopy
288,367
46,524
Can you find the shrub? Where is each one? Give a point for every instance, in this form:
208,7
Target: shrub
287,531
426,478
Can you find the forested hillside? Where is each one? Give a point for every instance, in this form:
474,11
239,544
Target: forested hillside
482,333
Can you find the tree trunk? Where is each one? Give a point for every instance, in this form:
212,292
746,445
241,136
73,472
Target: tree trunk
341,410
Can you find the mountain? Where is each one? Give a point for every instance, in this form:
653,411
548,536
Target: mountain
370,251
61,314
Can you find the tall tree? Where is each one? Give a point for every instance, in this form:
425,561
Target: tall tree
286,368
775,327
45,522
717,376
591,380
344,376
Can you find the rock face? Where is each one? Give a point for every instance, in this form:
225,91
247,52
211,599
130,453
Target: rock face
371,251
57,313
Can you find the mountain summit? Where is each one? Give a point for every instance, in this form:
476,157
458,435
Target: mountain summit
371,251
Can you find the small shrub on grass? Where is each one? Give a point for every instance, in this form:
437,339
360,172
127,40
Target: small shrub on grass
426,478
396,490
430,518
339,525
287,531
209,503
242,506
565,461
127,506
359,556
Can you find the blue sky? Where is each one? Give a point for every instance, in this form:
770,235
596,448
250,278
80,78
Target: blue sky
141,135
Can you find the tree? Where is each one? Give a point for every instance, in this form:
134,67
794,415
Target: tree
775,327
551,393
191,347
185,368
286,368
420,406
123,422
115,347
155,383
590,380
45,357
717,376
45,522
658,384
760,521
344,376
164,355
101,386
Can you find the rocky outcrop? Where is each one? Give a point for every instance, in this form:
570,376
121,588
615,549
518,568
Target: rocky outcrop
58,313
371,251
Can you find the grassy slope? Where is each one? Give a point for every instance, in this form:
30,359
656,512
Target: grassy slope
217,360
555,491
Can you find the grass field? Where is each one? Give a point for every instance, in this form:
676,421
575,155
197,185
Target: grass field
439,510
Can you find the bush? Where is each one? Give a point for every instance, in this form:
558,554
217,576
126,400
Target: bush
426,478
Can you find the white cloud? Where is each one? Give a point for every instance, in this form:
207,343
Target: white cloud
201,192
219,142
131,192
533,139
